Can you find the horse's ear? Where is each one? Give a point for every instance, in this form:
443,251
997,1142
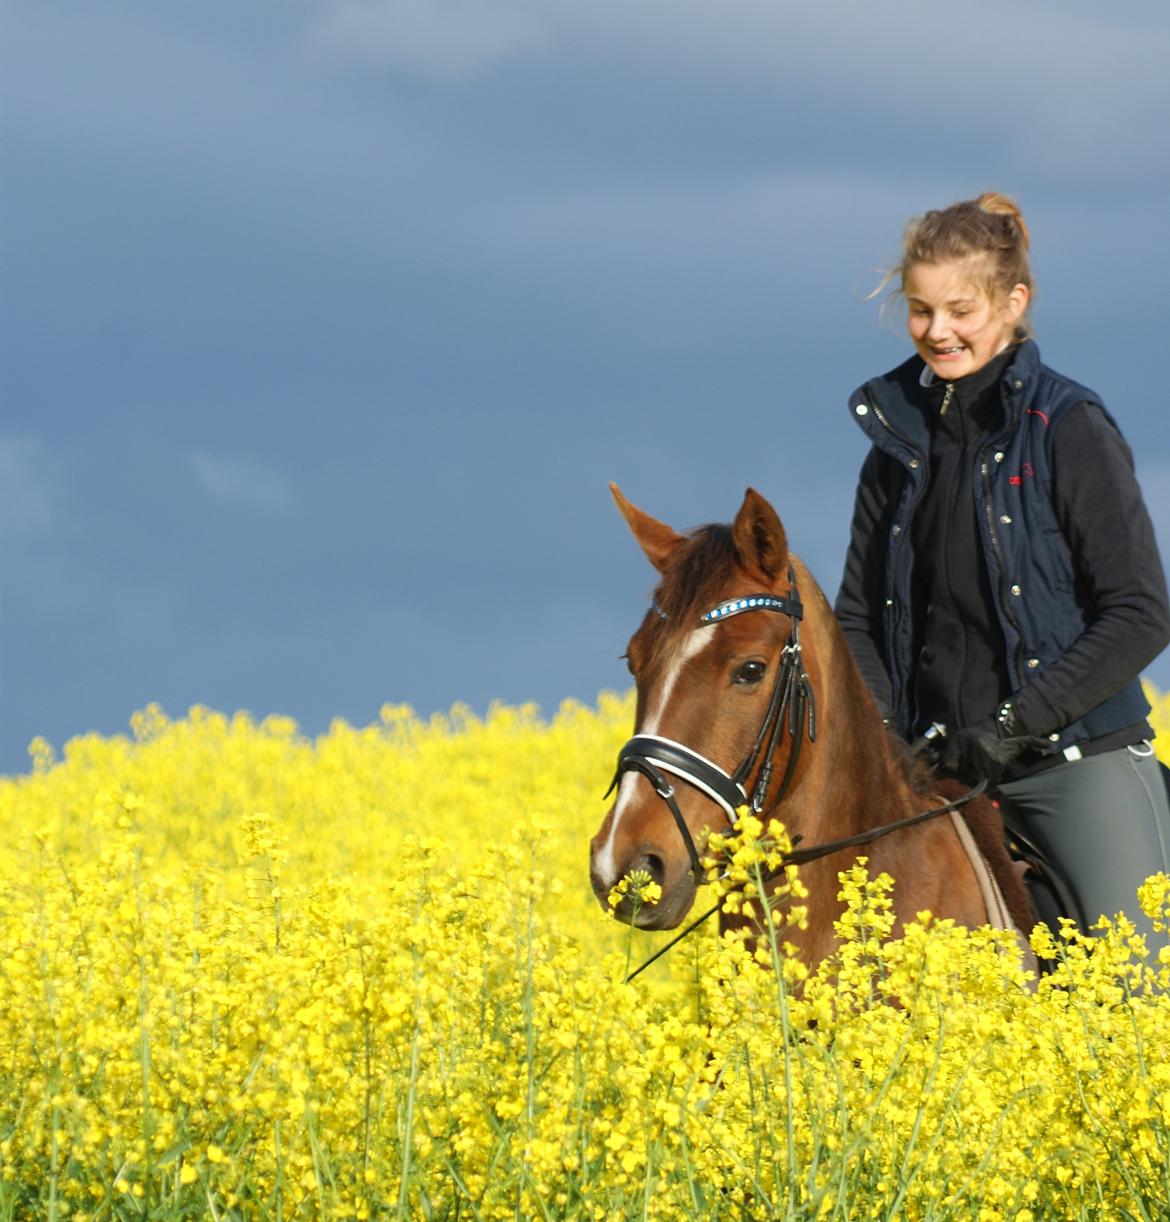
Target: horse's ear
656,539
760,542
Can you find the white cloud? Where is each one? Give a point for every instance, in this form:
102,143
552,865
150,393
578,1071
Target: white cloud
439,39
31,489
237,480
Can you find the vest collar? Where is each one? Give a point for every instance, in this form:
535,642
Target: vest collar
908,411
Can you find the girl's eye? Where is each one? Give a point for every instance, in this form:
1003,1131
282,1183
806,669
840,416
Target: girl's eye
750,673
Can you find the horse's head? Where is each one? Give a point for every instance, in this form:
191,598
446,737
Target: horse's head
713,716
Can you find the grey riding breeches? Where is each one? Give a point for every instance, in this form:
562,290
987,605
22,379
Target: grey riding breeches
1105,821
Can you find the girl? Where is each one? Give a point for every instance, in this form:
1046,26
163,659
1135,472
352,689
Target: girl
1002,583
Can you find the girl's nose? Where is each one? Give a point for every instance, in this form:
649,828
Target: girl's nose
939,328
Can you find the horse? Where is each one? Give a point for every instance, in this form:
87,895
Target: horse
747,694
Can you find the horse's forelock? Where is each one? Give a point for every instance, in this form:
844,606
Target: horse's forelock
697,577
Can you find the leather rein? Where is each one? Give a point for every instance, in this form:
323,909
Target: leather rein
652,755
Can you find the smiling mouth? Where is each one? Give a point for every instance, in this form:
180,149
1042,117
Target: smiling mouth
947,351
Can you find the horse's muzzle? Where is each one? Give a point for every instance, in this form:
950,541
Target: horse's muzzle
673,877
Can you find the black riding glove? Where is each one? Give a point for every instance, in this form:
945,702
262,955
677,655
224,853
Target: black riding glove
987,750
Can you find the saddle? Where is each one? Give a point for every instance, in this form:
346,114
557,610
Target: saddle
1051,892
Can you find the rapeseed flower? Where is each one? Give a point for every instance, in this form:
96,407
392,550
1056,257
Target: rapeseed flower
251,974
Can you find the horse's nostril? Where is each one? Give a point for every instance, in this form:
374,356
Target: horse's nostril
654,867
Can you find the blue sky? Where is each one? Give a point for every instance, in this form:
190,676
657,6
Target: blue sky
326,324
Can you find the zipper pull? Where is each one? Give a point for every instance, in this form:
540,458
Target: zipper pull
950,394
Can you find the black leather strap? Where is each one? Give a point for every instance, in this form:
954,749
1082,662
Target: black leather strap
689,765
663,788
800,856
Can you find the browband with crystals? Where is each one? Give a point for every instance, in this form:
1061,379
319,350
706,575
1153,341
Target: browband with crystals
748,602
754,602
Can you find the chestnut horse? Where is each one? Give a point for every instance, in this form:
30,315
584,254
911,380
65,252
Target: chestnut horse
747,692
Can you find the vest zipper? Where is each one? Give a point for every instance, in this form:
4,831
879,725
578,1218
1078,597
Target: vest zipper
947,397
1009,614
877,411
905,526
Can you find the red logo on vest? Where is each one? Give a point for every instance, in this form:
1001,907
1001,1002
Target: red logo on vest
1016,480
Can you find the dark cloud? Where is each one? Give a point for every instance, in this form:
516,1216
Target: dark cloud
326,325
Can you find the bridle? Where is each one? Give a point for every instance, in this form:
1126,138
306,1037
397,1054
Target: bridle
792,694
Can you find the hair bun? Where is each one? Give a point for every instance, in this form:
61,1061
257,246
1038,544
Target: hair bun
1001,205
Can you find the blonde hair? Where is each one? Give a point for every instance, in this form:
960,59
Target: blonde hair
989,231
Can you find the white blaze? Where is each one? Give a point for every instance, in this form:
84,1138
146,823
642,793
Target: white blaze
692,645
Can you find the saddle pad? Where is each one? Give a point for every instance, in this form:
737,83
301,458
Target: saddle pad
998,916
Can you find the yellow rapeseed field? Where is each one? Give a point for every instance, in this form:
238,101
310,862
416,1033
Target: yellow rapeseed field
250,975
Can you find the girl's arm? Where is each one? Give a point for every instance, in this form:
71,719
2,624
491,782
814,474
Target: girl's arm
1108,530
861,597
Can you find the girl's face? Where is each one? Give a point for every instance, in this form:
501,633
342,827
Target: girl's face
956,327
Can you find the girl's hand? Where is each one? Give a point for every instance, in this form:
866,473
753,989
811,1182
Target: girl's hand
975,752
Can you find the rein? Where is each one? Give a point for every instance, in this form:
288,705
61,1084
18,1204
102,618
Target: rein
801,856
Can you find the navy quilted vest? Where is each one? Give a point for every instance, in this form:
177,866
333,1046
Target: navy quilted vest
1041,608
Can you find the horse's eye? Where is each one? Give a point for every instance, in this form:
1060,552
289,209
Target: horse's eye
750,672
625,657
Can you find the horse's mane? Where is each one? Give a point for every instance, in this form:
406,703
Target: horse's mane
916,772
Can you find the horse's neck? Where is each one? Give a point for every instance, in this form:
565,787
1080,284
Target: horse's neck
853,781
854,784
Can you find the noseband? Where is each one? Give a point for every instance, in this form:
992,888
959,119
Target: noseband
652,756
